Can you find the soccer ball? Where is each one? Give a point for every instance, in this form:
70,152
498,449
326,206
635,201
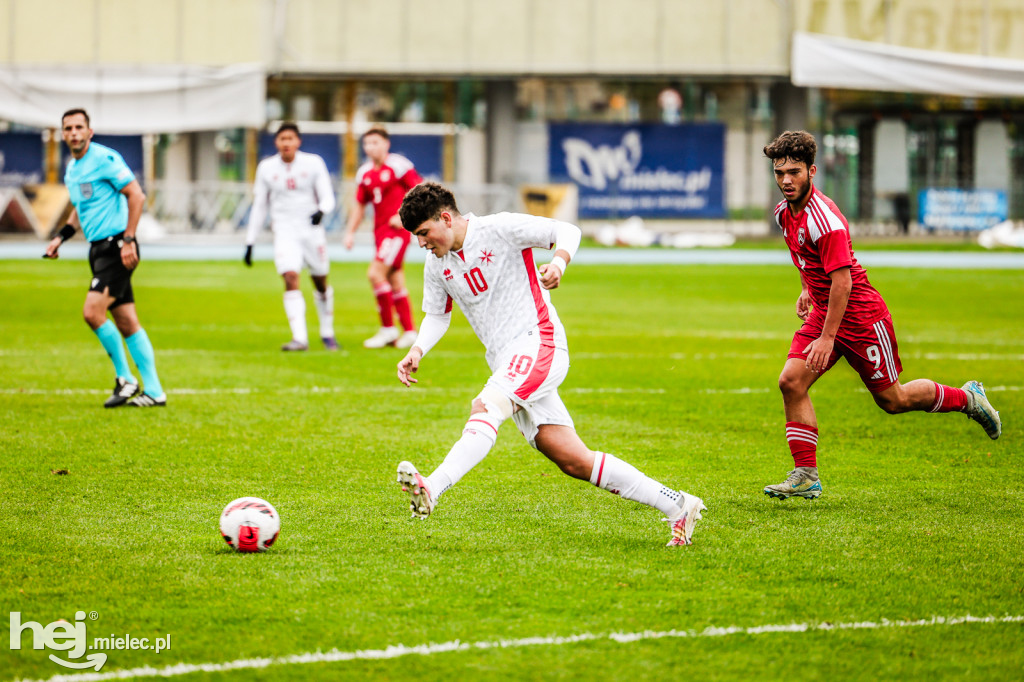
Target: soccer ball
250,524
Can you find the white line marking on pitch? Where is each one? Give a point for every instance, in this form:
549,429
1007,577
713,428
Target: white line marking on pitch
398,650
245,390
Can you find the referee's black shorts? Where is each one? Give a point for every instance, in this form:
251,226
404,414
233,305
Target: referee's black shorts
109,275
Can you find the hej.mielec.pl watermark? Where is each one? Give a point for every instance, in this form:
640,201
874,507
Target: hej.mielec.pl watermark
61,635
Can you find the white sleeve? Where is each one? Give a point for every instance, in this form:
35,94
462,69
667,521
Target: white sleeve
432,328
258,213
567,238
324,192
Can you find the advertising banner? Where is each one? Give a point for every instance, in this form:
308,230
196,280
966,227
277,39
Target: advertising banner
647,170
21,159
961,209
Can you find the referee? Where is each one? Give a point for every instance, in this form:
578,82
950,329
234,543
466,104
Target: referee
108,202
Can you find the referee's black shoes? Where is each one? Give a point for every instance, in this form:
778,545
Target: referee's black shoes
146,400
124,391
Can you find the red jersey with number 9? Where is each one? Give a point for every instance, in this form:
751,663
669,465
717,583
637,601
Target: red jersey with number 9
385,187
819,243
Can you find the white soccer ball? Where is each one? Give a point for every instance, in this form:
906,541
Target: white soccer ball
250,524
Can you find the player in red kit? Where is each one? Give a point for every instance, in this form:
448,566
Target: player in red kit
844,316
383,181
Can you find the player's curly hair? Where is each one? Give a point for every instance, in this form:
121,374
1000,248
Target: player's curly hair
425,202
797,145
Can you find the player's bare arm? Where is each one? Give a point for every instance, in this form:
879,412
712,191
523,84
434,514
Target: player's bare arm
65,234
136,201
804,302
820,349
354,218
408,366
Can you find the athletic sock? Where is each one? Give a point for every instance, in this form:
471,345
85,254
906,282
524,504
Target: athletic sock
477,439
383,294
145,359
803,443
400,299
949,399
112,343
625,480
295,310
325,310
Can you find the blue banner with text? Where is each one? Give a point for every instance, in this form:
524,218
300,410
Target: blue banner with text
647,170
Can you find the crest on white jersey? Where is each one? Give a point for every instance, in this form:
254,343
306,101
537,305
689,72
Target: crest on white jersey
801,236
487,256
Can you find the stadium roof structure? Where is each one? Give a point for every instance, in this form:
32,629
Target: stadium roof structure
831,62
137,99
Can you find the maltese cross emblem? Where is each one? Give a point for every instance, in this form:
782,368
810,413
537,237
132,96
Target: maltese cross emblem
486,256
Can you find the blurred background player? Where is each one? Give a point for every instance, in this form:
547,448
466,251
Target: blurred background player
297,187
485,264
107,203
384,179
844,316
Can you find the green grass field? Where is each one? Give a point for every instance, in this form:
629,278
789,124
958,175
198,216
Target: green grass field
674,369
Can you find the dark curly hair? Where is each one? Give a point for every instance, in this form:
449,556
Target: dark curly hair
797,145
425,202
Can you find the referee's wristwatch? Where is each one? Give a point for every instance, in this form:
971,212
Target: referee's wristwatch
128,240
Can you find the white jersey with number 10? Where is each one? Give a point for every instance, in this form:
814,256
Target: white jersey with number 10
495,282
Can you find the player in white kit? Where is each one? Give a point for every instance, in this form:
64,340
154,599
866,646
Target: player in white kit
297,189
486,265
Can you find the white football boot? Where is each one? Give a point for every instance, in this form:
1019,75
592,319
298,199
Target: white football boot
683,522
385,336
407,339
421,501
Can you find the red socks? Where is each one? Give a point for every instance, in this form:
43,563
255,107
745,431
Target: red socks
400,299
383,294
949,399
803,443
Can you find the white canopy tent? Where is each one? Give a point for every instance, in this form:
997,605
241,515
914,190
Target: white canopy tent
136,99
830,62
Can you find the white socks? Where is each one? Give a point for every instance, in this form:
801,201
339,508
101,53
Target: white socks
295,310
625,480
325,310
477,439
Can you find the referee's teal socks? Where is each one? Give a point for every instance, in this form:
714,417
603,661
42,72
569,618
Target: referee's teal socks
142,353
111,340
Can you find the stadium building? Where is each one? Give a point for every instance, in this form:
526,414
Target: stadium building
656,108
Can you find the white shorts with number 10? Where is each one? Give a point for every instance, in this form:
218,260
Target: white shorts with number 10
529,374
304,246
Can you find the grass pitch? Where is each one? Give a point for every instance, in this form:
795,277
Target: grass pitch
674,369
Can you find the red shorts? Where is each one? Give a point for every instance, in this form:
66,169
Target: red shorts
391,244
871,351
